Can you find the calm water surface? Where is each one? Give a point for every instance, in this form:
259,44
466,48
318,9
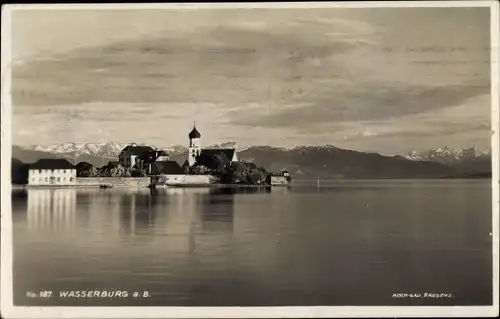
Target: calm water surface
345,243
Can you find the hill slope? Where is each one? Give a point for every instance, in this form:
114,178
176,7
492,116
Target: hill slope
332,162
31,156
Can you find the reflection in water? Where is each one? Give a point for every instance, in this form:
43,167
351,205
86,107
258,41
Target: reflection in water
136,213
51,209
197,210
258,246
217,210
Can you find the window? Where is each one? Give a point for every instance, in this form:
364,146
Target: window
71,179
46,179
64,171
40,179
58,179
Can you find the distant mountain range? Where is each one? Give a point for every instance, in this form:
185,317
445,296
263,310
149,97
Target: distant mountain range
447,155
110,149
467,159
303,162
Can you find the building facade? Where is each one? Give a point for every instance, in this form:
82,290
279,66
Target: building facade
131,155
51,172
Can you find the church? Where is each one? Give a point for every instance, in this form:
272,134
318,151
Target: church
206,156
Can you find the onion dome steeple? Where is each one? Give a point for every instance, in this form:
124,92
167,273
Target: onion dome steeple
194,133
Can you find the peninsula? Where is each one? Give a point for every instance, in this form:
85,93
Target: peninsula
142,165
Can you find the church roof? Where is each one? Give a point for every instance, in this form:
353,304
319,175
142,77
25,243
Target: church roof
52,163
227,152
138,149
166,167
194,133
84,165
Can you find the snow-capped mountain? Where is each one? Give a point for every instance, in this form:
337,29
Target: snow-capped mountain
447,155
111,149
413,155
223,145
230,144
308,147
179,149
107,149
176,149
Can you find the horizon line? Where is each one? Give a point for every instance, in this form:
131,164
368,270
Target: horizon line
488,149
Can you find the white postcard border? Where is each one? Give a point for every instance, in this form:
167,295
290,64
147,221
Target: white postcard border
6,289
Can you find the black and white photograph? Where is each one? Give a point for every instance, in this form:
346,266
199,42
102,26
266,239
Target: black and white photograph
250,160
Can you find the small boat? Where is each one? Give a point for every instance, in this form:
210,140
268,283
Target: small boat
105,186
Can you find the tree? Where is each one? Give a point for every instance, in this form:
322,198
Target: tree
118,171
263,170
199,170
138,173
236,173
255,176
240,173
220,162
127,173
83,173
94,172
105,172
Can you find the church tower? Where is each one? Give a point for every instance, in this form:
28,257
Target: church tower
194,146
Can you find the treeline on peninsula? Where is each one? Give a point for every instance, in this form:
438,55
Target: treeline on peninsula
247,173
109,170
218,165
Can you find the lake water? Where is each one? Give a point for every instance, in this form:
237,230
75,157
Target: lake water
344,243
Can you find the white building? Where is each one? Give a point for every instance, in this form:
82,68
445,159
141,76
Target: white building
51,172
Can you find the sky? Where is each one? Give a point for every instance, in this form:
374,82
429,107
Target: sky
387,80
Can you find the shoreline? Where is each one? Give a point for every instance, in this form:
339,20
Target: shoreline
217,185
296,182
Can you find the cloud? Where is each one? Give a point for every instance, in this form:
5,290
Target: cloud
363,103
222,63
461,125
280,77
